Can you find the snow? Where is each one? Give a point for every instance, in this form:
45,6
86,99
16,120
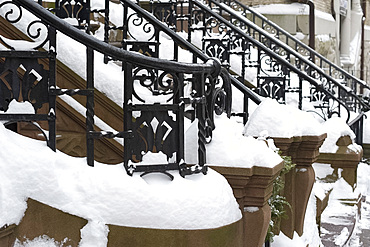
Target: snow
291,9
194,202
41,241
335,128
20,107
251,209
323,37
300,35
283,9
94,233
230,148
310,236
282,240
338,211
341,239
105,193
366,134
281,121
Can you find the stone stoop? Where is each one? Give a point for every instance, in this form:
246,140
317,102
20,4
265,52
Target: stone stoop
252,188
345,158
41,219
304,151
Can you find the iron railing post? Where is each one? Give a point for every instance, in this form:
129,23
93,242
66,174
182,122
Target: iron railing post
90,105
52,84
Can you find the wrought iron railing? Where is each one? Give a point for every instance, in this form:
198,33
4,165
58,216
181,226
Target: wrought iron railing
147,126
137,20
333,71
326,65
273,61
298,64
357,126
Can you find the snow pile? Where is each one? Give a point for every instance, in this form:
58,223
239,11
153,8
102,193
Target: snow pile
105,193
229,147
281,121
342,192
94,234
335,128
366,133
310,235
291,9
283,9
41,241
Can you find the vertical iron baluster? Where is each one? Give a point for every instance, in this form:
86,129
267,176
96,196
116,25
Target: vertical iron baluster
88,17
125,26
361,131
190,19
243,66
300,97
127,111
176,52
106,27
180,119
339,96
90,105
245,109
52,84
201,115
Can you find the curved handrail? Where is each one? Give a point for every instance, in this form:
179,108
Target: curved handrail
110,50
193,49
298,44
277,57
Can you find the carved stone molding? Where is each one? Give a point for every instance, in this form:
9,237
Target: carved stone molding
252,188
304,151
7,237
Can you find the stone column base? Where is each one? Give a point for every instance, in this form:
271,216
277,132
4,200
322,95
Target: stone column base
256,224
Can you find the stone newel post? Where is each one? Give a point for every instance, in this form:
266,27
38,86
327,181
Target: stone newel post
252,188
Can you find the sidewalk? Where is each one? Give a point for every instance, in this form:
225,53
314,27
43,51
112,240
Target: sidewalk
346,220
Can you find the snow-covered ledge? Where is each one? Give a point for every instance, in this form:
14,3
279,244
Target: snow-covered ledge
105,195
249,166
299,135
340,150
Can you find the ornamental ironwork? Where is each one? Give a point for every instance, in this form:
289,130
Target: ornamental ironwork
27,72
154,97
274,30
74,9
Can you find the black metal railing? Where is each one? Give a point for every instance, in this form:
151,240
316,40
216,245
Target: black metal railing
357,126
23,78
147,126
138,21
281,60
326,65
273,61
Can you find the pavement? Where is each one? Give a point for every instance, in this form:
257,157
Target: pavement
346,220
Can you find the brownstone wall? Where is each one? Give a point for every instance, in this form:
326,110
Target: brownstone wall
323,5
367,21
